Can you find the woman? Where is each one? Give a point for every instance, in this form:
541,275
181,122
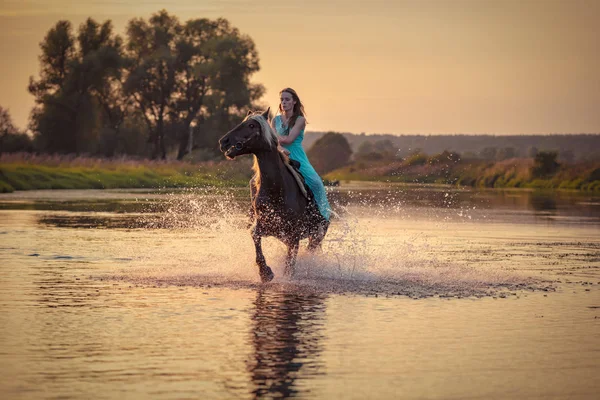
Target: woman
289,125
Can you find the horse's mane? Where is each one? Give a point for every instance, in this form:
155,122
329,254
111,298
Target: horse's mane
267,133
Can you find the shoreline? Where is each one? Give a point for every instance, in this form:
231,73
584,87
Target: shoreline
199,183
19,173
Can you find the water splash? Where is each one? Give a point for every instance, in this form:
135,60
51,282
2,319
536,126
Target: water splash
206,243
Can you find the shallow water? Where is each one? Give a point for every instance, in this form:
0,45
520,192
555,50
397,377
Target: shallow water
418,293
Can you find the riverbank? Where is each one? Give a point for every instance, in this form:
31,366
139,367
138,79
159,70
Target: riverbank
512,173
31,172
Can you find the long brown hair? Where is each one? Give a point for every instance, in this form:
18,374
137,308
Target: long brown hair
297,111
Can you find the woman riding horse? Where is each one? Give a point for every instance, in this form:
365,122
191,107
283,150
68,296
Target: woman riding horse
278,202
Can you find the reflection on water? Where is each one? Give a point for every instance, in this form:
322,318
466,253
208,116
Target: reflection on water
191,209
286,339
453,203
91,308
106,222
542,202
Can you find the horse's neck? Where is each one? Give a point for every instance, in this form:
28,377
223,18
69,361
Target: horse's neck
271,170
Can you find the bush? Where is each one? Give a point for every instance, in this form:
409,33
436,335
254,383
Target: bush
593,176
5,187
330,152
416,159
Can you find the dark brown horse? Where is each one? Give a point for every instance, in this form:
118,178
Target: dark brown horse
280,209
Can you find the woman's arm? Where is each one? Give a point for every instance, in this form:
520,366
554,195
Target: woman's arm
273,125
294,132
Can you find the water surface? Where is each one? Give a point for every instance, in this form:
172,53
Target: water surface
419,293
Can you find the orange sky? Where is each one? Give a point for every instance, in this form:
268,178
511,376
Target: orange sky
378,66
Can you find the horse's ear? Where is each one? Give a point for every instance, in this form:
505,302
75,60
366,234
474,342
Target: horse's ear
266,113
249,113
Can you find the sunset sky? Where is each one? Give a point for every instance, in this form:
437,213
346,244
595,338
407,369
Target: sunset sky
378,66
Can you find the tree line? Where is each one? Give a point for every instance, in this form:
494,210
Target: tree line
170,87
569,148
166,86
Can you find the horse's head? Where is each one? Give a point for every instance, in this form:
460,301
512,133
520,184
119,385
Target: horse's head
252,135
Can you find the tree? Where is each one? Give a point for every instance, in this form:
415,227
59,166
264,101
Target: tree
57,48
11,139
178,79
196,74
366,151
76,74
545,164
446,157
51,119
215,63
330,152
382,149
151,83
365,148
102,58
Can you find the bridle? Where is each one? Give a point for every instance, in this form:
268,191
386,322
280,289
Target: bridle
240,145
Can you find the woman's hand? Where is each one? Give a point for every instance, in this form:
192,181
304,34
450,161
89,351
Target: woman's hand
283,150
294,132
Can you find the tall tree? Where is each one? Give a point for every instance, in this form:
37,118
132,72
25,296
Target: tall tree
103,59
171,76
215,64
74,73
51,118
58,49
195,74
151,82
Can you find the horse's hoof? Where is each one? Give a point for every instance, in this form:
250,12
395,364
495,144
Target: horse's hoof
266,275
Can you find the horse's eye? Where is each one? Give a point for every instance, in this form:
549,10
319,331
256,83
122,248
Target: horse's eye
251,126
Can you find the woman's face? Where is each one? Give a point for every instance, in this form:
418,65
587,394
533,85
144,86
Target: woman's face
287,101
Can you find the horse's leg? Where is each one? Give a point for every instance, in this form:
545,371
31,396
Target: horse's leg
253,192
266,274
316,237
290,260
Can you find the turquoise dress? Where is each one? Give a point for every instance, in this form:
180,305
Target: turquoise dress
313,180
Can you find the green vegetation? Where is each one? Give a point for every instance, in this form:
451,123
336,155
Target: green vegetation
26,172
165,87
448,168
23,171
